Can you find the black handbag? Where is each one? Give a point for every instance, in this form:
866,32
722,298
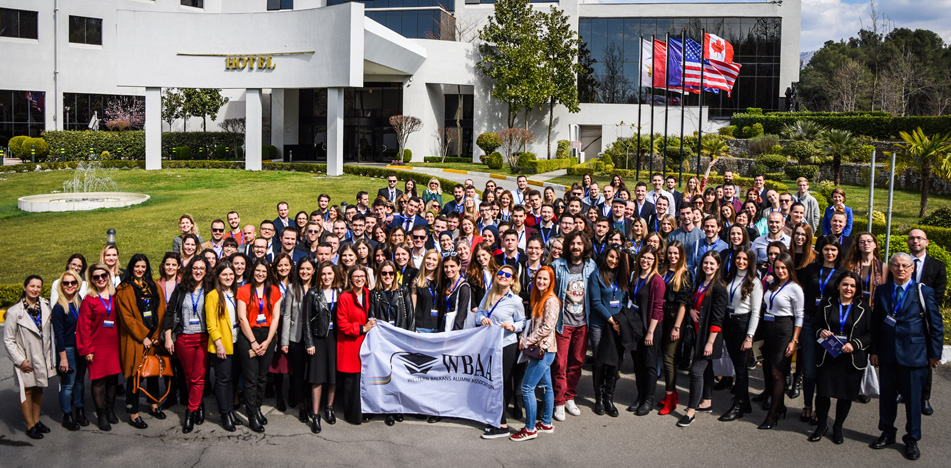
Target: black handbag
534,351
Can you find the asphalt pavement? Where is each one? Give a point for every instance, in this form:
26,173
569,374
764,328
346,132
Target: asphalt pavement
586,440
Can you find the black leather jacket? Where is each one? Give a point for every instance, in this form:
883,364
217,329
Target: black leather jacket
318,316
396,304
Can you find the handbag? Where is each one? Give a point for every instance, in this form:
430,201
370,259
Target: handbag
869,385
534,351
152,366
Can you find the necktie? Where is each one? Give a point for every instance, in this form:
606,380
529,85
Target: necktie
916,272
392,196
406,224
900,296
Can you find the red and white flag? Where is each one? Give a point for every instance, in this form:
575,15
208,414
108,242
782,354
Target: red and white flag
718,49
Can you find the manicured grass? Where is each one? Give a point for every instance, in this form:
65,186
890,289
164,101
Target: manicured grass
41,242
475,167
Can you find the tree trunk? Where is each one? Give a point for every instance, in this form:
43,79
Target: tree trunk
551,117
836,167
458,122
204,123
925,183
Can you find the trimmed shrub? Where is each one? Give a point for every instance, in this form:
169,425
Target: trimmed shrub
862,155
753,131
794,172
754,110
489,142
805,152
525,159
878,125
564,149
196,140
762,144
26,146
270,152
772,161
748,182
181,153
777,149
494,161
938,218
545,165
407,156
606,159
14,145
774,176
728,131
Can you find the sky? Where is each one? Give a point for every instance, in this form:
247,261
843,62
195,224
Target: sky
824,20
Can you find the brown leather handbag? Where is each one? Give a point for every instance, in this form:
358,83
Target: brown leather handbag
153,366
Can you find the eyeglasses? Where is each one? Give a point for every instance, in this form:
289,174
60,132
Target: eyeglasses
901,266
419,237
504,274
217,230
70,283
387,273
99,277
392,181
313,231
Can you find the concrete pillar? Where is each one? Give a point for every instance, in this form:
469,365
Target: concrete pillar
277,121
254,123
334,131
153,128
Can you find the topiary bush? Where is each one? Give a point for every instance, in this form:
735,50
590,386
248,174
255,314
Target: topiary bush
181,153
794,172
606,159
489,142
862,155
776,149
805,152
728,131
938,218
564,149
407,156
494,161
762,144
270,152
773,162
525,159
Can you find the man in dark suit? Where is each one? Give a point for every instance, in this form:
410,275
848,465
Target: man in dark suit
660,209
678,196
934,273
289,246
643,208
618,221
409,218
390,192
907,339
282,221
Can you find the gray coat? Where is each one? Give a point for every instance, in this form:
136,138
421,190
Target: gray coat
292,316
25,342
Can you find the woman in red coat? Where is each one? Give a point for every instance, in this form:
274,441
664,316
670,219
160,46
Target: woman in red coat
97,340
352,326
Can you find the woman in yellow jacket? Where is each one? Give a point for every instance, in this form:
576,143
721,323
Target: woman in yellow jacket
221,317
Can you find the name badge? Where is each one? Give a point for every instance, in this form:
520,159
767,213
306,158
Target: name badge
730,310
615,304
434,313
769,318
194,321
818,300
636,308
866,294
147,314
331,327
261,319
108,323
890,320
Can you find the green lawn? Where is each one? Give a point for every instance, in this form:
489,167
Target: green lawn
475,167
41,242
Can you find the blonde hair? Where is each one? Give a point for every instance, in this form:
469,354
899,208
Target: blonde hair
421,276
102,258
91,288
495,291
61,294
438,185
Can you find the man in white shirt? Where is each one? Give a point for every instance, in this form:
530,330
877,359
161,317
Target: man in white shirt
657,180
774,223
519,195
608,192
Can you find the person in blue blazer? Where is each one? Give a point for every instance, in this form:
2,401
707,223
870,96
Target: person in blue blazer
907,338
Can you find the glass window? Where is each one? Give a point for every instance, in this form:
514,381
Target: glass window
18,23
194,3
84,30
273,5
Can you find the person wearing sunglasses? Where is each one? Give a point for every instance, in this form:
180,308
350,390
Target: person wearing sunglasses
97,340
28,336
390,302
72,371
217,237
503,307
77,263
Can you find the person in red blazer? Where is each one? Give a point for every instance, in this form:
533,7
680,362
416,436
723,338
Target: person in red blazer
353,323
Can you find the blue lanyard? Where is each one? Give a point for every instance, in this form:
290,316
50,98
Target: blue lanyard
605,244
431,292
194,302
895,297
868,279
773,297
701,290
72,310
461,205
451,291
733,289
636,247
487,278
489,315
231,300
544,237
389,305
333,298
520,235
729,259
107,305
656,229
38,320
260,302
282,288
640,284
822,284
843,318
614,289
706,247
669,276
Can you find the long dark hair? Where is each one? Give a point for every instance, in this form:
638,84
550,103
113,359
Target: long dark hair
222,266
277,259
268,282
129,277
750,280
177,258
701,275
858,283
619,273
787,261
830,240
566,246
188,281
81,258
299,283
26,282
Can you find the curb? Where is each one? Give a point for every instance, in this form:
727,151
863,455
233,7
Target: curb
536,183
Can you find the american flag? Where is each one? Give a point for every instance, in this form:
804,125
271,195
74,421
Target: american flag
717,75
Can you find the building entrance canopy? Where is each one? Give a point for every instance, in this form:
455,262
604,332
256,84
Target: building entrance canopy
320,48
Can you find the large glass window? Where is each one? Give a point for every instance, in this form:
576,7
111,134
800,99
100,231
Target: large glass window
611,50
18,23
414,24
194,3
21,113
280,5
84,30
79,109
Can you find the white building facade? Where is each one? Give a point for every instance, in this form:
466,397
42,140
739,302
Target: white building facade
339,69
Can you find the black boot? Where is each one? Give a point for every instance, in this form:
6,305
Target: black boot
735,411
767,403
80,415
315,424
796,389
645,408
724,383
227,421
200,414
253,422
103,420
188,424
597,378
235,419
745,406
279,404
69,423
329,415
610,379
261,418
303,415
761,397
111,414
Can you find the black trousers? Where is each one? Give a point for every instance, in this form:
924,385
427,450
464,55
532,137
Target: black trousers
254,369
132,396
509,356
645,368
701,382
734,333
298,356
224,384
349,385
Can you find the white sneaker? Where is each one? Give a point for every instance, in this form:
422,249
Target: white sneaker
559,413
572,408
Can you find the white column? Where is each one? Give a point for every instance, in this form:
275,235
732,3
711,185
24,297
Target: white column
277,121
153,128
253,130
334,131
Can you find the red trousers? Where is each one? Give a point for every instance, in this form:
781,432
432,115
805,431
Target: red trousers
566,370
191,351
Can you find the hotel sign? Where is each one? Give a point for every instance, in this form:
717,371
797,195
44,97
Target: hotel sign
240,62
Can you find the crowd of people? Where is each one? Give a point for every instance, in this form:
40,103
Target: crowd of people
675,280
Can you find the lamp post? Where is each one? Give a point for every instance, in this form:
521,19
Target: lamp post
111,236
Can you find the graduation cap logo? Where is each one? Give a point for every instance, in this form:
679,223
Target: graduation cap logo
415,363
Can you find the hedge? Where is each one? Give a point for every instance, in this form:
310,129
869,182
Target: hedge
899,243
449,159
564,149
74,145
594,165
9,293
794,172
206,141
878,126
545,165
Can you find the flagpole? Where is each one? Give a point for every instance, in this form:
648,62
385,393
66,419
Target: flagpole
654,68
683,97
703,54
640,70
666,98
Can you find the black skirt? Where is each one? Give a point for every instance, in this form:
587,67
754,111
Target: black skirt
837,378
776,336
322,366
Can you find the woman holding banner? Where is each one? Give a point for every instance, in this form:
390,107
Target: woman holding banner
502,306
540,341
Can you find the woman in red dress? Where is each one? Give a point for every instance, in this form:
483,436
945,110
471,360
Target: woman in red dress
352,326
97,340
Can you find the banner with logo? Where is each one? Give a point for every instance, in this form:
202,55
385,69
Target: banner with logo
456,374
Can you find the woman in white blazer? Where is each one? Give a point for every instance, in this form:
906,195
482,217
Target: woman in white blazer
28,337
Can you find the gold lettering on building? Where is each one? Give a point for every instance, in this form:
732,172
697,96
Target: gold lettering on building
240,62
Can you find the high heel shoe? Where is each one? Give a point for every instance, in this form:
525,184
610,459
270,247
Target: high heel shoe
329,415
315,423
103,420
111,414
769,424
837,437
817,436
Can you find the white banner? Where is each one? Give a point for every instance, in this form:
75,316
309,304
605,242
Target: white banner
456,374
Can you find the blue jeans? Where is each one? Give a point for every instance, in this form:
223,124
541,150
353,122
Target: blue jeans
426,330
538,374
71,389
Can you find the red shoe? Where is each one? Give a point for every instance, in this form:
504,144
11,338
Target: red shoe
541,427
523,434
670,403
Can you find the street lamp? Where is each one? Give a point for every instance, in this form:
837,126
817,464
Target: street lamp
111,236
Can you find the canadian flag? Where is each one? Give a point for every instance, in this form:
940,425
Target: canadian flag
718,49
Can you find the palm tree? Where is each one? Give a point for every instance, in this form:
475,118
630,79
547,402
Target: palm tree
839,143
927,155
803,130
714,146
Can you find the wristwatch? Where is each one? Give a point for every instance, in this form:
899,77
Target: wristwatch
676,329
